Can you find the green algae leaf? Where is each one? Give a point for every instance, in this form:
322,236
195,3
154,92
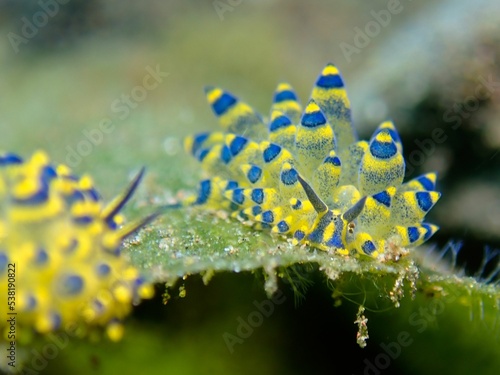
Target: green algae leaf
191,241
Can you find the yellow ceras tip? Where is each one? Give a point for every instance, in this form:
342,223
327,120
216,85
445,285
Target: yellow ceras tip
330,69
387,125
312,107
384,136
213,93
283,86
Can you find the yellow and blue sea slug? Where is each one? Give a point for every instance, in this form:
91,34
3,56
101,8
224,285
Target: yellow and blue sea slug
60,259
304,174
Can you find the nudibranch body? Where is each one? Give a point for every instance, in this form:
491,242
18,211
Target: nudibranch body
60,261
305,175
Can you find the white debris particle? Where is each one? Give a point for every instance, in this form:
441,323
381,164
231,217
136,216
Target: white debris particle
164,244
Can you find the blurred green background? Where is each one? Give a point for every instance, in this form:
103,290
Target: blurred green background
69,66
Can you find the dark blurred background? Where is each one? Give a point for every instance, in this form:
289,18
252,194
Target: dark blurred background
430,66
